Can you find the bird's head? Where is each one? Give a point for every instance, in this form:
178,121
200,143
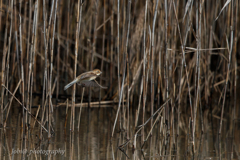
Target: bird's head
97,72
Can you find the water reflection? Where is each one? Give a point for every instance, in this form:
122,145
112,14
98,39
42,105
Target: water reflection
93,141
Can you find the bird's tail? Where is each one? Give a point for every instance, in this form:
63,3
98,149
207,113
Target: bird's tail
70,84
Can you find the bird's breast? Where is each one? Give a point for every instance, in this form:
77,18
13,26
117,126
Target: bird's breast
93,77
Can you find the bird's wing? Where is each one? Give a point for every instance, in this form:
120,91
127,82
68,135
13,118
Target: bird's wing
86,75
92,83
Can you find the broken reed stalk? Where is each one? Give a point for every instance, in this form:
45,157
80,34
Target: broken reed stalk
141,127
39,106
79,118
120,99
10,103
152,126
92,104
13,96
227,78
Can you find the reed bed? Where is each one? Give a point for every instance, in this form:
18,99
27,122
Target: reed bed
168,65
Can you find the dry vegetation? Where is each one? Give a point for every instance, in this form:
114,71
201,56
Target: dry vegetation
160,60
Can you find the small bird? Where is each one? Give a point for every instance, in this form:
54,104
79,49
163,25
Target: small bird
87,79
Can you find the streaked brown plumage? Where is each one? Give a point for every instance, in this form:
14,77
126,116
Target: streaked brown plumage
87,79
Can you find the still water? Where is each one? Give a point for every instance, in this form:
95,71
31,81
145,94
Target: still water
94,141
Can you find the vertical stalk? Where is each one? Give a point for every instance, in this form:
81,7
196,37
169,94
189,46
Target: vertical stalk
22,74
196,84
152,60
228,72
4,68
127,61
75,63
235,24
94,43
79,118
166,63
50,109
103,43
118,45
144,65
28,37
9,46
32,58
67,55
111,49
0,14
45,64
79,27
58,49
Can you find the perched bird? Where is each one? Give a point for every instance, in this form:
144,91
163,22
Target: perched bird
87,79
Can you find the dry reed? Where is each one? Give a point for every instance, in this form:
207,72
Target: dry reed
169,55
